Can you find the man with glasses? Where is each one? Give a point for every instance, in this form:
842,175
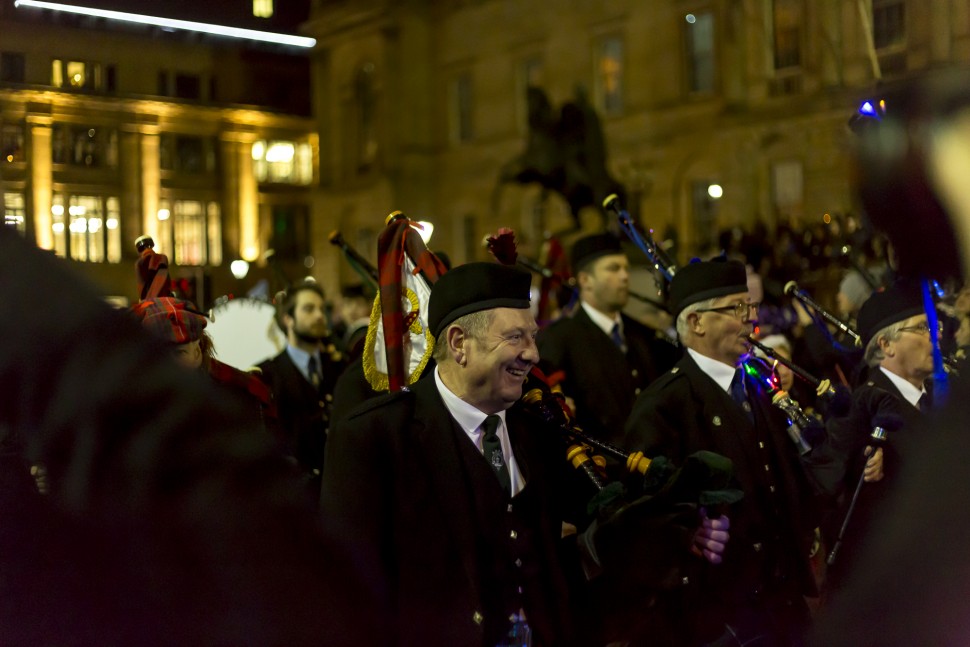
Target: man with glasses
899,353
706,403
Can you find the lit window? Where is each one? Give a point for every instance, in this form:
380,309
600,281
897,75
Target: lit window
263,8
700,52
15,211
57,73
86,228
609,75
282,162
190,232
76,75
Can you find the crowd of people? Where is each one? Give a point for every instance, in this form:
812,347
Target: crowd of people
753,470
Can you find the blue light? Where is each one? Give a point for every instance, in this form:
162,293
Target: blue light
867,110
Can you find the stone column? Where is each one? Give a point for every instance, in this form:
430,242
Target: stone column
151,181
41,178
241,194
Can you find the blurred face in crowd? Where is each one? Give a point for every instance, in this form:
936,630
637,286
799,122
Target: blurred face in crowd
188,354
785,376
495,366
308,324
605,283
721,332
910,355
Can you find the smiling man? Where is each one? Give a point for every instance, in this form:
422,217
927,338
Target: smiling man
448,488
705,403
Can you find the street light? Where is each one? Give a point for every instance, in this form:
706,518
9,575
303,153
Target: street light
239,269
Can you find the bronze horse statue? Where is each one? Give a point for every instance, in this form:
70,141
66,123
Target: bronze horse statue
565,154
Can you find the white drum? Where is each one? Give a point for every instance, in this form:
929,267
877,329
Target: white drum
244,332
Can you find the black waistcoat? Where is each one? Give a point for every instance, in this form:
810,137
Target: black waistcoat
510,564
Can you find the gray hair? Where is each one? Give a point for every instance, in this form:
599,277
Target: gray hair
682,327
874,354
475,325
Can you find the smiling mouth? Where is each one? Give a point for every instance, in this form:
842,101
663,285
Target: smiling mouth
516,372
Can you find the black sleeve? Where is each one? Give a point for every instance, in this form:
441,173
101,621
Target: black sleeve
170,519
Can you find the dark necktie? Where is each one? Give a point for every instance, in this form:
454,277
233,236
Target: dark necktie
738,394
313,371
617,337
925,403
492,450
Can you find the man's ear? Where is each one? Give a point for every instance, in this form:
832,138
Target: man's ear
886,347
694,323
456,339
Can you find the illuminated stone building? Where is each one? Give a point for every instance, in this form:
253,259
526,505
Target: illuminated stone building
225,148
112,129
420,104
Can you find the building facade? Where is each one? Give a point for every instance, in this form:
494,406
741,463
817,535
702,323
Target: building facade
715,113
110,130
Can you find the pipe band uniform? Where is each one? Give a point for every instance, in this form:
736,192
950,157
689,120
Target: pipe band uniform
707,402
605,357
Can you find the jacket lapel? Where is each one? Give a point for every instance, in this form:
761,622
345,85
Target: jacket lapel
729,425
434,431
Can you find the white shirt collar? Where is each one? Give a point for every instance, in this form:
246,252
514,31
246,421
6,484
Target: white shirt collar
605,322
718,371
470,420
908,391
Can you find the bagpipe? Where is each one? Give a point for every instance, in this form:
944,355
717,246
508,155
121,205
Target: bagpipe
792,289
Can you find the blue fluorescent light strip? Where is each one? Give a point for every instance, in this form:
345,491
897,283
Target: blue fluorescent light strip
188,25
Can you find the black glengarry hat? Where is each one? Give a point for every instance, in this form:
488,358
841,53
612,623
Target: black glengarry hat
589,248
894,304
473,287
706,280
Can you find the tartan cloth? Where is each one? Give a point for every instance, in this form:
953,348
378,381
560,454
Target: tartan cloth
152,272
398,247
170,319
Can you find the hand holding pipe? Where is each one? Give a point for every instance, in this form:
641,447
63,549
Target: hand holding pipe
882,424
792,289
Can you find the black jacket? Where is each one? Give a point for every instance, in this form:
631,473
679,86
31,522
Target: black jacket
395,482
771,527
603,381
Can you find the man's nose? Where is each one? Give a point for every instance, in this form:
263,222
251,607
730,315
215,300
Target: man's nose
531,351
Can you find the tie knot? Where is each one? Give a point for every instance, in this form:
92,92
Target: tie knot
490,426
616,335
925,402
313,369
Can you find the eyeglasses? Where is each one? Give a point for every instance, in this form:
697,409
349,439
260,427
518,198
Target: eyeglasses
922,328
740,310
